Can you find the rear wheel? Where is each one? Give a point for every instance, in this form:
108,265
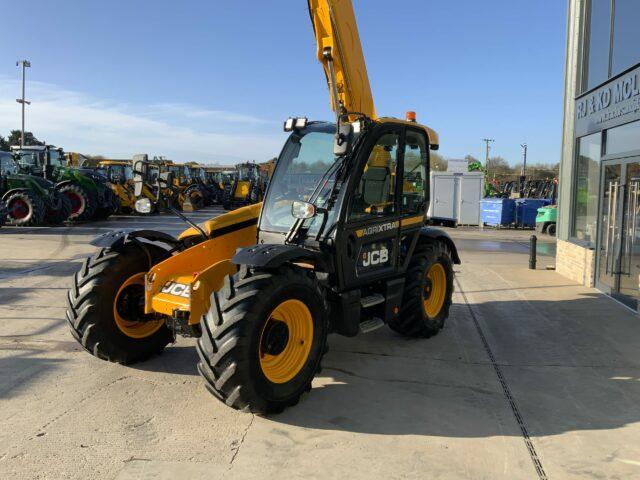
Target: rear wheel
60,210
263,339
105,308
25,209
428,291
551,229
83,203
112,205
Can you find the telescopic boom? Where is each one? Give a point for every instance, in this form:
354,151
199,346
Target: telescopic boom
340,52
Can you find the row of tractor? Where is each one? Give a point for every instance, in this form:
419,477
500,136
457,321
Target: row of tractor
43,185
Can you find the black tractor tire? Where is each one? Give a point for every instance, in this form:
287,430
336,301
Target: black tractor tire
232,331
413,320
91,305
551,229
56,216
112,205
25,209
83,203
3,214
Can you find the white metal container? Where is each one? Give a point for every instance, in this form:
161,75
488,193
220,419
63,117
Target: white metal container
456,196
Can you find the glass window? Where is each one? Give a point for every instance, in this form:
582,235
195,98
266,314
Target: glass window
305,172
625,138
57,158
586,188
598,44
626,35
7,165
376,193
415,172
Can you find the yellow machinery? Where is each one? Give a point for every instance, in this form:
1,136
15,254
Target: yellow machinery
189,196
217,178
338,245
246,189
119,174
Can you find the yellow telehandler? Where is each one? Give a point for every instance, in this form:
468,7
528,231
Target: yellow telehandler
246,188
338,246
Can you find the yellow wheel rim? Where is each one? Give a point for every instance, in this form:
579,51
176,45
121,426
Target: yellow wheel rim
435,290
285,341
127,293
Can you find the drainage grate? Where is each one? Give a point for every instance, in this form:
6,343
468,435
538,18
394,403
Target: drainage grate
507,391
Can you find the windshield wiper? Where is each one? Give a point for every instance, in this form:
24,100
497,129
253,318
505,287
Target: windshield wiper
295,228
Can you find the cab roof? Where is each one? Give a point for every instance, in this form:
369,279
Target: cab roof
432,135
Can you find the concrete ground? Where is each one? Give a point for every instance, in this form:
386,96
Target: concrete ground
532,377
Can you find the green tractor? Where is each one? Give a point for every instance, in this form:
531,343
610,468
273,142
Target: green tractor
87,190
28,200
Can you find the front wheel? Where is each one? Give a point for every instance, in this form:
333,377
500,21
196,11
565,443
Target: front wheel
263,339
428,291
105,308
83,203
25,209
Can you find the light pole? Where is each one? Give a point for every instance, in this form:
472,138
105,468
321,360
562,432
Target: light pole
487,141
25,64
524,159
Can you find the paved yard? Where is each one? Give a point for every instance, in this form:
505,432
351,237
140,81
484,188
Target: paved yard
532,377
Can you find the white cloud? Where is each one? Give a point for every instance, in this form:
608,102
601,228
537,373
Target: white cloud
80,123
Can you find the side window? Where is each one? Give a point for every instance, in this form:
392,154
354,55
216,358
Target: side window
376,194
415,171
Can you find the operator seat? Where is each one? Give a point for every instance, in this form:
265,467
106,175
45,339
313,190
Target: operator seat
376,179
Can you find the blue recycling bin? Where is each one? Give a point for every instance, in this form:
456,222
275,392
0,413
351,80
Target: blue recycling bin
526,210
497,212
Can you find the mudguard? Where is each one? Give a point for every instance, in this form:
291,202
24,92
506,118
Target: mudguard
14,190
442,236
117,238
63,183
274,255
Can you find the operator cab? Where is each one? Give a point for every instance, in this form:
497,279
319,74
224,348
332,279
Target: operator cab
361,208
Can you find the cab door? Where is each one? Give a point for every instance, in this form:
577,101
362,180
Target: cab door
414,196
368,245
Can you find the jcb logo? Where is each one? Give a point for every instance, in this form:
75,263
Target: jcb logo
375,257
177,289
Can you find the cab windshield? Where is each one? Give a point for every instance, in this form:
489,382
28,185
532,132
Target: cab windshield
152,173
57,158
302,166
27,158
7,164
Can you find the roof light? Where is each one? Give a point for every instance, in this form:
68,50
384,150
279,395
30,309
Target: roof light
411,116
295,123
288,124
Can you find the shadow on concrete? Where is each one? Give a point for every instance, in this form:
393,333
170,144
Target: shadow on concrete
57,268
570,366
176,359
22,368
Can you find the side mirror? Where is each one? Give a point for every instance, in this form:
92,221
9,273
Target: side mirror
303,210
344,136
139,167
137,185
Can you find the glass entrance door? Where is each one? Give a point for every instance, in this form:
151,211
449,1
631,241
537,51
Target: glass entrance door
619,245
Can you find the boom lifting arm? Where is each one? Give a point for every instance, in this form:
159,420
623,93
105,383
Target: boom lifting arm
340,52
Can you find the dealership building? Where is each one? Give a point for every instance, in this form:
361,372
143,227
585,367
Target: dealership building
599,196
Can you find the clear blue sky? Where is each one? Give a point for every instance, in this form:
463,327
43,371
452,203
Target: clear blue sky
212,80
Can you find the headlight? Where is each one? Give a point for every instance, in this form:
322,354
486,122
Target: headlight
143,205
